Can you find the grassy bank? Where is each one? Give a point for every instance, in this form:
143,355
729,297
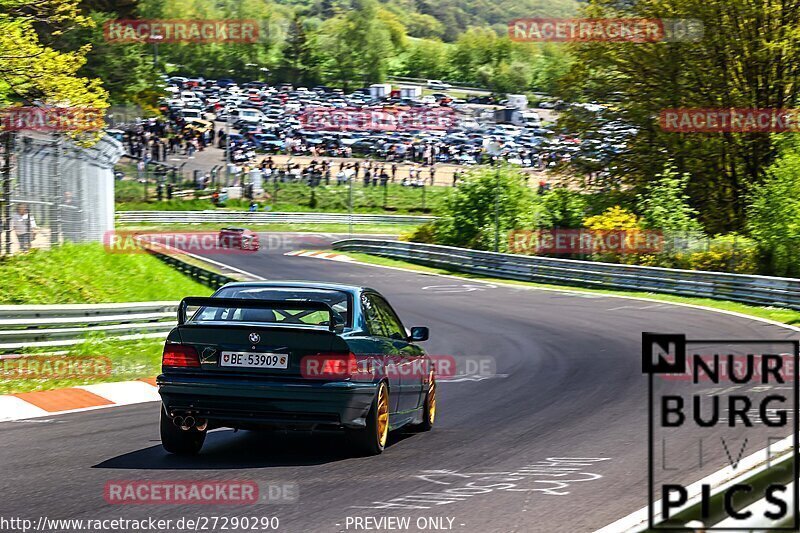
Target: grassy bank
297,197
117,361
785,316
86,273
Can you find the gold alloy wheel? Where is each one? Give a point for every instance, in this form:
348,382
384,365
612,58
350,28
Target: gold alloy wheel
432,402
383,415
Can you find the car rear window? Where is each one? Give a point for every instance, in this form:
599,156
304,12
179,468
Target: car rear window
339,301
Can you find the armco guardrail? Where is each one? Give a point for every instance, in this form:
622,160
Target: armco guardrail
65,325
198,273
246,217
457,86
753,290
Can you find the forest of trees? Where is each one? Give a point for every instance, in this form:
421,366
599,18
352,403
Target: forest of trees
747,58
335,42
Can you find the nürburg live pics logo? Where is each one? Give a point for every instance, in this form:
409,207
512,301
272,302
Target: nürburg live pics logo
722,433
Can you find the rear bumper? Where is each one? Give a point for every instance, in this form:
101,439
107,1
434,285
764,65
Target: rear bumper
283,404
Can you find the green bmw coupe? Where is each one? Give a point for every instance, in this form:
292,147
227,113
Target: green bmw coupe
295,355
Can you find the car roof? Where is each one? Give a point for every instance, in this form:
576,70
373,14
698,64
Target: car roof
353,289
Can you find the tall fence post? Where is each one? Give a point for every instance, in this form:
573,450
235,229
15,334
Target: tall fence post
6,219
55,225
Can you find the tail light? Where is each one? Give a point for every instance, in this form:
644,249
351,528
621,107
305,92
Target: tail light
179,355
333,366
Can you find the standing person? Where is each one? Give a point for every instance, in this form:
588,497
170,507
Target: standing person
24,227
394,171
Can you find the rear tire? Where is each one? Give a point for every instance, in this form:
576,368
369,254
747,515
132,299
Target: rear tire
177,441
372,439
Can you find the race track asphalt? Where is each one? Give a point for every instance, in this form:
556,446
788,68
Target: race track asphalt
568,386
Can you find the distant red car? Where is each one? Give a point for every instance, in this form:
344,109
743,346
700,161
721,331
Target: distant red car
238,238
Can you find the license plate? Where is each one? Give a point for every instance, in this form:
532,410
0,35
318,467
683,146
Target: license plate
254,360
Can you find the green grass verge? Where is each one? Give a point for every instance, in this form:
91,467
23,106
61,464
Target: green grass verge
785,316
126,360
379,229
297,197
86,273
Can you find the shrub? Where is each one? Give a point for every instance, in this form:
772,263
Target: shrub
665,204
613,218
729,253
562,208
425,233
486,194
774,215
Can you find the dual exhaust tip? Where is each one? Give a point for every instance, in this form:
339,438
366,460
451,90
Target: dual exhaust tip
188,422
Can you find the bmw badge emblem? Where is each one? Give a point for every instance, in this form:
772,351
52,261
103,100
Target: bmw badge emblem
255,338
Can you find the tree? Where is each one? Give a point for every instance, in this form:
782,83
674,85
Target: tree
126,70
748,57
357,45
425,59
33,72
299,65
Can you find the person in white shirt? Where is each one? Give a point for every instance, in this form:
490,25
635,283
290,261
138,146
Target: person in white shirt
24,226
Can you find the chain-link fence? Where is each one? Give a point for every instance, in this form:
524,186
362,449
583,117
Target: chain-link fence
55,191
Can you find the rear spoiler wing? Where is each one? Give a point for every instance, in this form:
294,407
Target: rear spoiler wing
250,303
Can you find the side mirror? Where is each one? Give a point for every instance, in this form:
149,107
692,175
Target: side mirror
419,334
